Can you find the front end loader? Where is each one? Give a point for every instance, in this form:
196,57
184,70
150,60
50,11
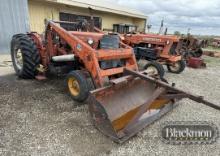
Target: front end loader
101,69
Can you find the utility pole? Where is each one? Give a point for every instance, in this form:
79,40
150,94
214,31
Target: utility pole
161,27
149,27
165,32
188,31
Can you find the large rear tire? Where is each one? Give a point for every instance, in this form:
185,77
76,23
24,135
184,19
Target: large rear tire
25,56
157,68
77,86
199,53
177,67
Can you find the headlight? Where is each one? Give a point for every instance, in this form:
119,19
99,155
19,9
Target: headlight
90,41
122,38
168,42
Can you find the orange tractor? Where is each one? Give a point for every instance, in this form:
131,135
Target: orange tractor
191,50
101,69
158,49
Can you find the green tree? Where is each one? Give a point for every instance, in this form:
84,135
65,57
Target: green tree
177,33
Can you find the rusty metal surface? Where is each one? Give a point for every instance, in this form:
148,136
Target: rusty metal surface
163,45
128,105
146,121
190,46
117,109
120,99
120,111
144,107
102,122
195,62
100,118
198,99
212,53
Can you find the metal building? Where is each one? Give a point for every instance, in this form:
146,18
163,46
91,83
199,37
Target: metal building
17,16
13,19
105,12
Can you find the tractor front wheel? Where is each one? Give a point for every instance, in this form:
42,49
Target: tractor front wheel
156,68
176,67
77,86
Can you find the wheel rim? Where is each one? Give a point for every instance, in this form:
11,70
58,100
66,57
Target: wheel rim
73,86
152,69
175,66
18,58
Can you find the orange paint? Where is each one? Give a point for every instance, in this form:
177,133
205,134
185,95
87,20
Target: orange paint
121,122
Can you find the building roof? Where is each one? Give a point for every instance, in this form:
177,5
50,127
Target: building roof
103,5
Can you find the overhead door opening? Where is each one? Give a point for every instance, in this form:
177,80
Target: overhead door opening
77,18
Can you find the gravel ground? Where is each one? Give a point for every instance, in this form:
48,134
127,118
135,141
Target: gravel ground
39,118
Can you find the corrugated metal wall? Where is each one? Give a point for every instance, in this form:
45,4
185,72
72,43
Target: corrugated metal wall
13,19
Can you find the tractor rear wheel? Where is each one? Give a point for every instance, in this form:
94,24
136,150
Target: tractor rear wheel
25,56
176,67
198,53
156,68
77,86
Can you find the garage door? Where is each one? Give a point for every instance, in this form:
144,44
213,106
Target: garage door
77,18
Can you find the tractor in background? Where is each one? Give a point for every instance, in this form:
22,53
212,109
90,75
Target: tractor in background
159,50
191,50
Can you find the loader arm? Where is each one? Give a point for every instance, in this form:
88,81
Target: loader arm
79,48
92,58
175,93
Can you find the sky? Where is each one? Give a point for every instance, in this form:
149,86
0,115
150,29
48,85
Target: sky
201,16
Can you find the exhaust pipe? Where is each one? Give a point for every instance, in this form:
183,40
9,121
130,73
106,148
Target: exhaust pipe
63,58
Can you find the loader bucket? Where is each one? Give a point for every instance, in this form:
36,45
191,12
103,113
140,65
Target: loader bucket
120,111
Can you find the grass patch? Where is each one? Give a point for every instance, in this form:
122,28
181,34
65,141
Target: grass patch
211,61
